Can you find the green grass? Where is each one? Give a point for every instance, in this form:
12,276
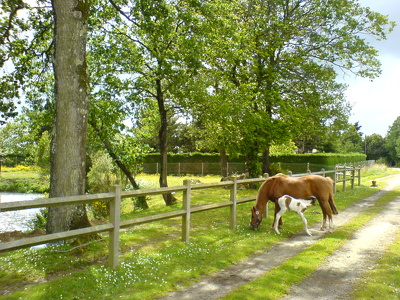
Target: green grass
154,260
23,179
382,283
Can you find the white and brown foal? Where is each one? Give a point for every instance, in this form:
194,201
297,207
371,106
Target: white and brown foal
299,206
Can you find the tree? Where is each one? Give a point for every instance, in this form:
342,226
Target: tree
68,149
294,49
393,142
8,17
351,140
375,147
151,42
16,140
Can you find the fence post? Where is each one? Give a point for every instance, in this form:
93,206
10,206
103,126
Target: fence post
344,177
335,179
308,168
359,175
186,207
115,219
233,200
353,174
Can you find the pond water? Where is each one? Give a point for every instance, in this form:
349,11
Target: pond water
18,219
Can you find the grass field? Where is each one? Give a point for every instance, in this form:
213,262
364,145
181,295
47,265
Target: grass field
154,260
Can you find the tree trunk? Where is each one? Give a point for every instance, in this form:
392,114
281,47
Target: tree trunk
68,149
224,163
141,201
266,164
253,163
169,199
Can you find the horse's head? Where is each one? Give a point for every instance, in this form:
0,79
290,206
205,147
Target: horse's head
256,218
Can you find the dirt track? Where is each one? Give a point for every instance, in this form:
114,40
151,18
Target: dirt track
334,279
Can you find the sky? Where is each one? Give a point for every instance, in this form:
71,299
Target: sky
376,104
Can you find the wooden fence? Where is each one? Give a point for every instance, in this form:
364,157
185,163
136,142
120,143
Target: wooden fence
340,174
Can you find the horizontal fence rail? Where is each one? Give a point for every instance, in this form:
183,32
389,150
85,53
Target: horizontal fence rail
341,174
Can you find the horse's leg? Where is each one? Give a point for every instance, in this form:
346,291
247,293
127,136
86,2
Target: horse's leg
305,223
277,218
326,212
323,225
330,222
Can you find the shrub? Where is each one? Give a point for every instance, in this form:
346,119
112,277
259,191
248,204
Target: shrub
100,179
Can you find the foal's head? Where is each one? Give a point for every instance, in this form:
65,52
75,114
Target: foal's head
313,199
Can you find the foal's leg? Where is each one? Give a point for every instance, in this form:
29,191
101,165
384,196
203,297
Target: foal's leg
305,223
277,218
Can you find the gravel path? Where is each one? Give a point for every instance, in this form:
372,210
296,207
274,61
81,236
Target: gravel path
334,279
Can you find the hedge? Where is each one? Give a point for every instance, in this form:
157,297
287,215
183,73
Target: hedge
327,159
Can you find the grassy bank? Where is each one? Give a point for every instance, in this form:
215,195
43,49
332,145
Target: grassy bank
23,179
154,260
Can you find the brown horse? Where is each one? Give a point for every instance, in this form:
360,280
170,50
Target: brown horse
298,187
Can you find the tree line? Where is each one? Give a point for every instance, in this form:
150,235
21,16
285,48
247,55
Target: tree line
131,77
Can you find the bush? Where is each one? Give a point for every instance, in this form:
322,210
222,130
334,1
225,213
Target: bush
100,179
40,221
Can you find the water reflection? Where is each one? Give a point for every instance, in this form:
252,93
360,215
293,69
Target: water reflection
19,219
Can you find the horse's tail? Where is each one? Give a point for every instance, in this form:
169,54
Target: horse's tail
332,204
331,201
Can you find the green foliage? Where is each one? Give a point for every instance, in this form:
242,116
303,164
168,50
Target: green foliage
191,157
101,175
393,142
245,90
329,159
43,153
40,221
16,140
282,149
100,179
375,147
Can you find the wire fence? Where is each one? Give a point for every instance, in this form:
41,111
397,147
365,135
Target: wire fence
233,168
